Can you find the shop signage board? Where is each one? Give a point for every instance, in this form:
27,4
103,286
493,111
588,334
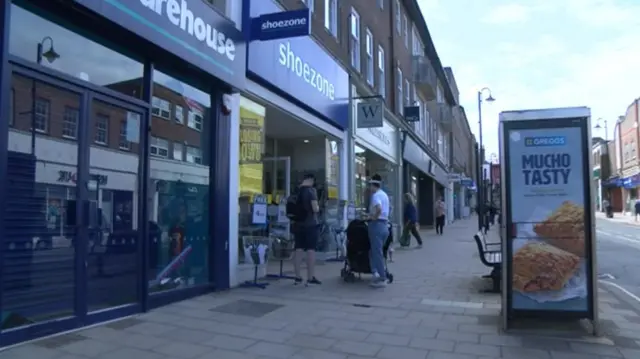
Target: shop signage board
412,113
281,25
192,30
298,68
369,113
549,251
382,140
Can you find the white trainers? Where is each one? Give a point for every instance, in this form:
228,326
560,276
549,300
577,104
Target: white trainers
379,283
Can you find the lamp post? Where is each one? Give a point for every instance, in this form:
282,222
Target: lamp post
606,131
51,55
489,98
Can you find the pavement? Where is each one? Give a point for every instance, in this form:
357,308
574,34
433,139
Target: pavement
433,310
619,217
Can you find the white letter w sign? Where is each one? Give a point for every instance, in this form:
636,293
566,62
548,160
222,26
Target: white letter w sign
370,113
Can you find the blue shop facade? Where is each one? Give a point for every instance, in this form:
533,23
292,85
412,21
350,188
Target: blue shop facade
115,132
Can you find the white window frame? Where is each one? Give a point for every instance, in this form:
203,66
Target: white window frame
192,120
178,115
382,76
101,118
381,4
158,147
407,94
427,120
191,157
406,31
67,121
179,149
161,108
331,16
354,40
398,18
43,114
399,91
370,59
123,143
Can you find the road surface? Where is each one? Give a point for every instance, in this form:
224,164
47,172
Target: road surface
618,246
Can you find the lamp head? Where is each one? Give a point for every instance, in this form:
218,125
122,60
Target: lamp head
51,55
598,126
490,98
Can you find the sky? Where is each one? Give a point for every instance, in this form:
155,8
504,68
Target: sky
538,54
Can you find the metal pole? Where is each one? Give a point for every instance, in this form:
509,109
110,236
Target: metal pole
480,162
476,154
33,101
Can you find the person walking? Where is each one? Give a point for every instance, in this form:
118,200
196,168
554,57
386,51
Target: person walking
637,208
306,232
440,215
378,229
410,222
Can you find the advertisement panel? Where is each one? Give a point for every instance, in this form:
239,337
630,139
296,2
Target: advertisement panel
251,147
548,253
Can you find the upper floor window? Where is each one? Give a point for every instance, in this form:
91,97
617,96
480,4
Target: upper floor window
70,122
195,120
123,142
382,83
427,123
158,147
406,32
331,16
399,95
194,155
102,129
43,111
310,4
161,108
416,43
179,115
177,151
407,93
370,61
439,94
354,39
398,18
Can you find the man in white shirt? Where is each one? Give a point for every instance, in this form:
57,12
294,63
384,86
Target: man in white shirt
378,230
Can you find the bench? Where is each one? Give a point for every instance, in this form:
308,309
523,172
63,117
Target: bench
491,256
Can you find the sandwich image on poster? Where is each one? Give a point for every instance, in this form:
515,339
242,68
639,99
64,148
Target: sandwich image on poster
548,251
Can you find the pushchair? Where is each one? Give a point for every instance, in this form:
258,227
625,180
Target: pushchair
358,247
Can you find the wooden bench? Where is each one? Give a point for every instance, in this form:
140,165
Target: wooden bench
491,256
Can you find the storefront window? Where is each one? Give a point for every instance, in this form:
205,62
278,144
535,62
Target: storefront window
369,163
72,53
179,196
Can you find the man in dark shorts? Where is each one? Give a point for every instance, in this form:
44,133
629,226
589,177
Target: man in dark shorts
306,232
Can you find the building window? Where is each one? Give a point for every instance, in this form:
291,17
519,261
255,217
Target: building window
102,129
195,120
399,96
179,115
161,108
43,110
158,147
427,120
382,77
70,122
310,4
354,40
381,4
370,63
194,155
123,143
177,151
406,32
407,94
398,18
439,94
331,16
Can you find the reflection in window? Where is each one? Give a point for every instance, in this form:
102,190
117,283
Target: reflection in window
123,142
161,108
179,114
43,108
194,155
158,147
195,120
79,56
70,122
102,126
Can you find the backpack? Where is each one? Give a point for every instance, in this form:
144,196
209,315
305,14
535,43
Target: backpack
295,208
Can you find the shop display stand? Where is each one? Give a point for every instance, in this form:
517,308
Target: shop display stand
339,235
282,251
253,246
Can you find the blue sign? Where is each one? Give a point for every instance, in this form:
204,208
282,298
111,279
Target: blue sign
545,141
300,69
192,30
467,182
281,25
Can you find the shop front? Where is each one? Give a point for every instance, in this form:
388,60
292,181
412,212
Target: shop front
116,138
292,121
425,179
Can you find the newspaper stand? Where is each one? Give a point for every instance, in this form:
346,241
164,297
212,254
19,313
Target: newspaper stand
257,251
282,249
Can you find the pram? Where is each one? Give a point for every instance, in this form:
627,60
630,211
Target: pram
358,247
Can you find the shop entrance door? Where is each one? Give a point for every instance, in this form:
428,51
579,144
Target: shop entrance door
277,174
66,262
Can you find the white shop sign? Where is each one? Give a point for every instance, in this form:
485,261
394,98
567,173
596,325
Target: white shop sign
58,174
381,140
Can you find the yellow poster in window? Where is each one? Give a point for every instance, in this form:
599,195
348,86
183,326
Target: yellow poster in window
251,147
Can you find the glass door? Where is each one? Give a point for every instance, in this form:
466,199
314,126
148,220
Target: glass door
113,250
277,175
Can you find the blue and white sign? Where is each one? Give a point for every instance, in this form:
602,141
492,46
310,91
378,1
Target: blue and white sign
192,30
281,25
299,68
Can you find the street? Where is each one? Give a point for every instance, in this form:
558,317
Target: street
618,246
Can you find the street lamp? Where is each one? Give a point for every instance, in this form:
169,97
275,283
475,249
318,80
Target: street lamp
489,98
51,55
598,126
